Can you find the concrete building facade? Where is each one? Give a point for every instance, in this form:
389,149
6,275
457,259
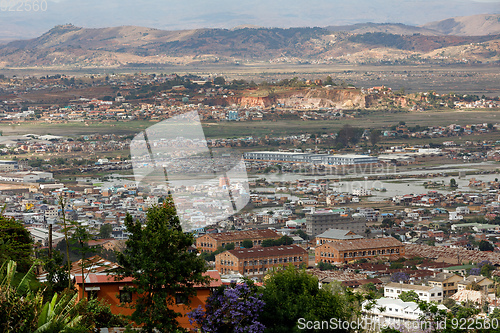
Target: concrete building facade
320,221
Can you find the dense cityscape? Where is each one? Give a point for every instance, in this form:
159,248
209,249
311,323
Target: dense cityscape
250,173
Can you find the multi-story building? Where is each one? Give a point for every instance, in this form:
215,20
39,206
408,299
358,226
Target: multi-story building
320,221
336,235
210,242
6,165
425,293
349,250
447,281
485,285
258,261
369,213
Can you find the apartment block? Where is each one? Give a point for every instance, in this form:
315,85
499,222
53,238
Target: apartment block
210,242
349,250
425,293
321,221
258,261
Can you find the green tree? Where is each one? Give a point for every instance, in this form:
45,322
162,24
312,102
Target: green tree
485,246
157,257
105,231
219,81
302,234
453,183
291,294
267,242
15,243
374,137
247,243
487,269
80,239
409,296
62,204
57,275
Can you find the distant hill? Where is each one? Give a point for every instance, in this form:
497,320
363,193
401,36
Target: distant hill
475,25
131,46
388,28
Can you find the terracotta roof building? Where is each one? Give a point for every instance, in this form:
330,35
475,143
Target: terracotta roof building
115,293
210,242
258,261
349,250
336,235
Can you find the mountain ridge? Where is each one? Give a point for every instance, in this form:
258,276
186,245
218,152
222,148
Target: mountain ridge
68,45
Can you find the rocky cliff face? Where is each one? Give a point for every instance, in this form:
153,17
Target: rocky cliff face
247,101
311,98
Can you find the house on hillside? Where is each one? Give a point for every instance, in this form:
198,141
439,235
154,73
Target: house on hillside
113,292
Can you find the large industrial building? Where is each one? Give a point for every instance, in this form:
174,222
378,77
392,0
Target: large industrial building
310,158
11,165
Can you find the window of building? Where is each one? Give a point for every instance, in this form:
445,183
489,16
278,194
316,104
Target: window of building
125,296
180,299
92,294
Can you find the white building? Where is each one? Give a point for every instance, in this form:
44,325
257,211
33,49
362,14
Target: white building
369,213
310,158
425,293
393,312
463,210
41,235
454,216
361,192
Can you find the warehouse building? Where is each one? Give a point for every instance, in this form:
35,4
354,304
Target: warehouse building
310,158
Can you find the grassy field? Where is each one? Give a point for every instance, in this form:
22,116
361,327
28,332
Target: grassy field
378,119
472,79
375,119
76,128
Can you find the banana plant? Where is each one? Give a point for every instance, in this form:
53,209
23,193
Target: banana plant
19,305
58,315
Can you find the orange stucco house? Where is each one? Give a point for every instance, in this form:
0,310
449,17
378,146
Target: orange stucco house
112,292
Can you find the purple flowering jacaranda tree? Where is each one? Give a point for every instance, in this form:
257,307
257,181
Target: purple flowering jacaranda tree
232,309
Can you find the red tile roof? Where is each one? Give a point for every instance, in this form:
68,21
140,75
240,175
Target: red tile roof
268,251
245,234
361,244
100,279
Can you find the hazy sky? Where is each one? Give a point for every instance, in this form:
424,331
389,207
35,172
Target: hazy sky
188,14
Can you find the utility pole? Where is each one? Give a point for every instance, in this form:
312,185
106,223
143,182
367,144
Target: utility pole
50,236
